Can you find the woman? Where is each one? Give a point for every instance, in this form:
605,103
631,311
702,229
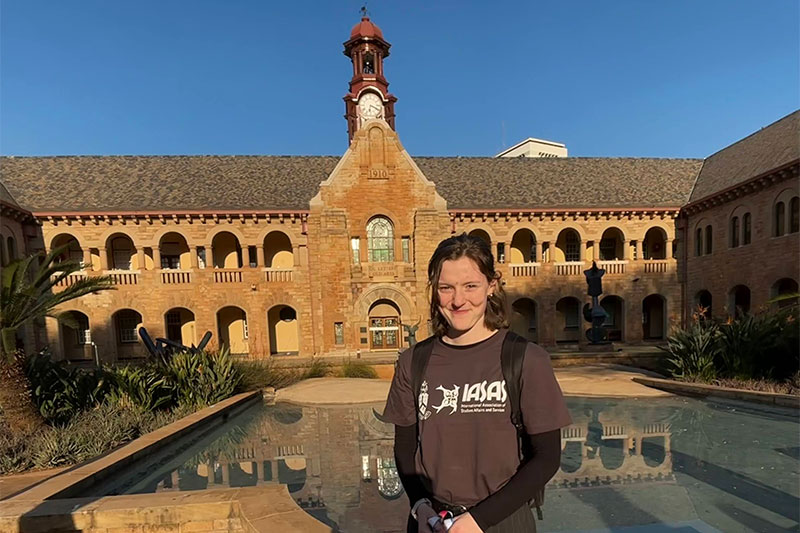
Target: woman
460,451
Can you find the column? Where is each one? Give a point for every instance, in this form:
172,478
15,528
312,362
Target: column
629,250
210,469
639,250
103,258
537,252
668,249
226,474
193,257
596,250
551,247
260,471
87,257
581,250
156,258
140,257
260,256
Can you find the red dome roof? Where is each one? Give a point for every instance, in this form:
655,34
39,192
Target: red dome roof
365,28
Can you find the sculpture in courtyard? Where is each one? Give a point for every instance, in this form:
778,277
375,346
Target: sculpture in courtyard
595,314
411,331
164,348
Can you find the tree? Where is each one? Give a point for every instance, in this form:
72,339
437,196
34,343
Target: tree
27,295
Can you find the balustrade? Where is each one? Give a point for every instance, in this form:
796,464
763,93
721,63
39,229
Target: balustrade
616,266
173,277
524,269
570,268
227,276
278,274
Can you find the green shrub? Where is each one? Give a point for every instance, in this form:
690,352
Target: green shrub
317,369
358,369
87,435
142,387
693,352
201,379
60,391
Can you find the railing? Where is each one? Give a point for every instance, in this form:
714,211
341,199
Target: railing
570,268
290,451
572,433
661,427
655,266
278,274
613,431
616,266
124,277
70,279
173,277
227,276
526,270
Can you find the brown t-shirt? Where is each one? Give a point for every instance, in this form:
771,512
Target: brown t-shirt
468,445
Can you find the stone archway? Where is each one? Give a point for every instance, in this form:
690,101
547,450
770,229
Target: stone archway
379,307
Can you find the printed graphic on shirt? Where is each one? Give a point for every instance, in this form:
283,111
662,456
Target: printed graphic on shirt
422,401
483,397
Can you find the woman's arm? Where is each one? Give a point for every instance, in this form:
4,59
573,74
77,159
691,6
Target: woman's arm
405,449
531,476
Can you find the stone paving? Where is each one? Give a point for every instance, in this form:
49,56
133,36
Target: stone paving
615,381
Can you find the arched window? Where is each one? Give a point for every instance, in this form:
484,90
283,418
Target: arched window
11,249
698,242
779,225
380,240
794,215
709,237
734,232
746,228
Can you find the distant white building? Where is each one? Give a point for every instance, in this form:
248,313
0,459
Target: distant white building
531,147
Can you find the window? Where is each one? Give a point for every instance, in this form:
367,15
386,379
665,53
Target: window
355,246
380,240
746,225
608,249
174,326
406,245
794,215
83,335
501,252
201,257
170,262
121,253
698,242
252,255
572,252
734,232
338,332
126,323
11,249
369,63
780,222
709,237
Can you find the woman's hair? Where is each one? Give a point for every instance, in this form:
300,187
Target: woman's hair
478,250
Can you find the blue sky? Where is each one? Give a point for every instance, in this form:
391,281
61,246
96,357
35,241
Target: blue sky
678,78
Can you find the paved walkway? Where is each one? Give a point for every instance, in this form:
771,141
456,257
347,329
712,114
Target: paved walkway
592,380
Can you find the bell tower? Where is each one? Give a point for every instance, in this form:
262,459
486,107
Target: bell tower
369,96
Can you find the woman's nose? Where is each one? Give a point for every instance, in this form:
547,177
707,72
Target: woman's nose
459,298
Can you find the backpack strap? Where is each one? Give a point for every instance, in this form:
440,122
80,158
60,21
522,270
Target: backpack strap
511,359
419,363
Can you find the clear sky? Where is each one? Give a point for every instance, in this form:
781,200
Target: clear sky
676,78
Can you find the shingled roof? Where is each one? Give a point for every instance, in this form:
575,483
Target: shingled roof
153,183
769,148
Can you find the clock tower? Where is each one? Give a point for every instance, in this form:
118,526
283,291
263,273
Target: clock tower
369,96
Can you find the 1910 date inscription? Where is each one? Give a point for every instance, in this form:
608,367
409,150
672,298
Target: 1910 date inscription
378,174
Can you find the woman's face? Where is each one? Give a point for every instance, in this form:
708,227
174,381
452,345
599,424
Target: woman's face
463,291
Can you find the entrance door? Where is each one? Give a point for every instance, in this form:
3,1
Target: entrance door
383,332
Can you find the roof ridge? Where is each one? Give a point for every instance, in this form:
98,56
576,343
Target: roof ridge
763,128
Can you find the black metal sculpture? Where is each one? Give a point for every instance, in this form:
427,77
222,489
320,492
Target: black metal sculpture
165,348
595,314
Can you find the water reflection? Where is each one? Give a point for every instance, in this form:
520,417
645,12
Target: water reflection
623,463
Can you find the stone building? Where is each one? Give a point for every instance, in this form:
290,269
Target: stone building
326,255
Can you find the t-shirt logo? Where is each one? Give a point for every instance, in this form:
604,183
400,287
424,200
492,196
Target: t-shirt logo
449,399
483,397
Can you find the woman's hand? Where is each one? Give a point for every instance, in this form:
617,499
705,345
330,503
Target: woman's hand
465,524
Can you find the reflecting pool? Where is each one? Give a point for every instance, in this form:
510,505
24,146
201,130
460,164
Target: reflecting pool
674,464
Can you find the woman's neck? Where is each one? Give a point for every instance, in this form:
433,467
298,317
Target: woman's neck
462,338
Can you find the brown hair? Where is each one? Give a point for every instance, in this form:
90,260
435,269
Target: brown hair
479,251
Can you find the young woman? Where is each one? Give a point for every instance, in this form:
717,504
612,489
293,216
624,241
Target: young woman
460,452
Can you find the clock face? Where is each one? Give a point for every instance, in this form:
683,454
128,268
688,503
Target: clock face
370,106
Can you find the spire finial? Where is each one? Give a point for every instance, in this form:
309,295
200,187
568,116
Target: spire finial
364,11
